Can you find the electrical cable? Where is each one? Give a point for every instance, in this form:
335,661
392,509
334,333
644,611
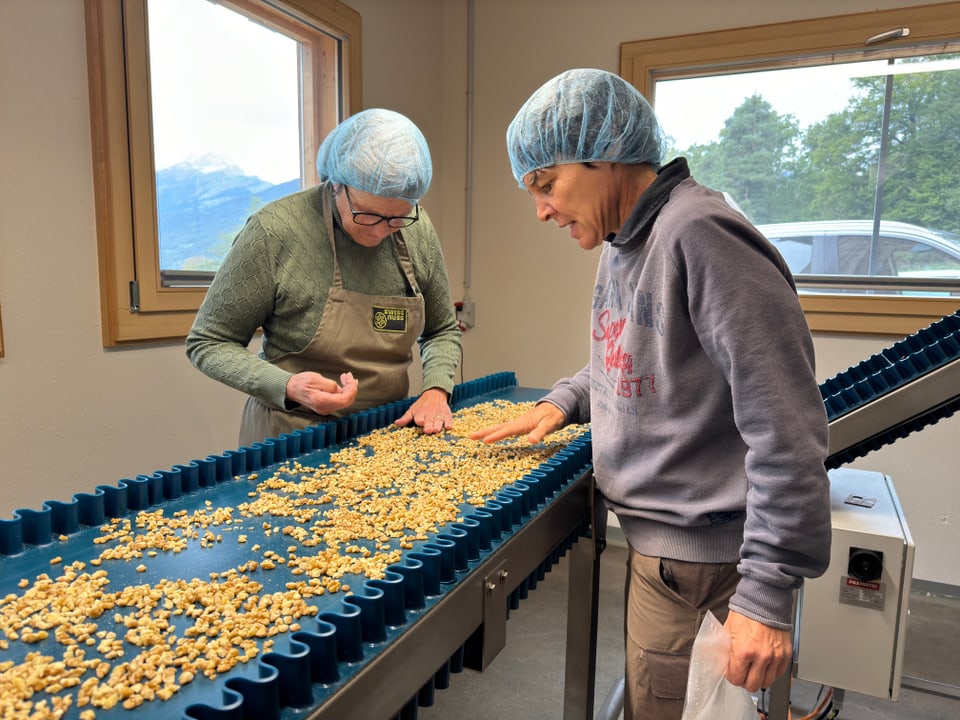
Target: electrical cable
762,704
824,704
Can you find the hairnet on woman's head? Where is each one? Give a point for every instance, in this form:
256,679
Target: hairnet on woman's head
583,115
380,152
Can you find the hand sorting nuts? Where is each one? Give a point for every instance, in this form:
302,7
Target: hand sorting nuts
353,516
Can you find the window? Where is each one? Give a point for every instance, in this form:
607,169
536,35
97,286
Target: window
225,105
833,136
902,258
158,248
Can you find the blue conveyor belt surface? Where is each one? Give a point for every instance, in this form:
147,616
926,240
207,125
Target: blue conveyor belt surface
307,665
892,368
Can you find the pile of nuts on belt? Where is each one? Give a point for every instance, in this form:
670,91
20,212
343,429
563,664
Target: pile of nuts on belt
352,516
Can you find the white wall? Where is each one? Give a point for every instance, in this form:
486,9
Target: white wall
75,415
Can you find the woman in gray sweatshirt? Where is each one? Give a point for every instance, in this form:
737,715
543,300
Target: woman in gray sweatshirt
709,431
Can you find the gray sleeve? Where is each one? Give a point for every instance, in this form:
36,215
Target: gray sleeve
572,396
748,318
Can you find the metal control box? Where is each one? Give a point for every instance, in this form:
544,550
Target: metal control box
852,621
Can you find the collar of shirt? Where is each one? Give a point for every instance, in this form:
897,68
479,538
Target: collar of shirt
651,202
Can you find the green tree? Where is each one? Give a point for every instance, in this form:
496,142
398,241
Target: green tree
922,168
837,169
842,153
779,173
839,163
753,159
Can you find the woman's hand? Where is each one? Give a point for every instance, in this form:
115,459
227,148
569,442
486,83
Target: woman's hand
320,394
537,423
430,411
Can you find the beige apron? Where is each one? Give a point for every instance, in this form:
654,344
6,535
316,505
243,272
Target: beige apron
371,336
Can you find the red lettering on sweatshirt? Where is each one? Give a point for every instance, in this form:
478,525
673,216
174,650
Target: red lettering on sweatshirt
609,332
634,386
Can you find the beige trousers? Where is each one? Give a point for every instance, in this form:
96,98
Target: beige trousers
665,602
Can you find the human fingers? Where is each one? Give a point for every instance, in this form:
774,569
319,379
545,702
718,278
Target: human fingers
321,394
436,412
493,433
324,403
404,419
757,674
316,381
433,412
349,387
437,423
301,386
759,654
430,412
536,424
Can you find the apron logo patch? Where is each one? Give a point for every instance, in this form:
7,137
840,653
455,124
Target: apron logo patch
390,319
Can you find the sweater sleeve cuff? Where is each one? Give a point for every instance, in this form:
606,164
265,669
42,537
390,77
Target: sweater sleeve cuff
769,605
273,386
438,380
566,401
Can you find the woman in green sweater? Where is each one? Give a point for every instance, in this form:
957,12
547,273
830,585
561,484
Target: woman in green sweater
343,279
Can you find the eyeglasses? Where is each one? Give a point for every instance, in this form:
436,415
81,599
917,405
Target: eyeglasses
370,218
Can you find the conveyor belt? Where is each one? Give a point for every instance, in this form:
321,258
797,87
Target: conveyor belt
904,388
365,654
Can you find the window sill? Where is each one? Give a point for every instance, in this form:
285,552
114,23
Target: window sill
874,315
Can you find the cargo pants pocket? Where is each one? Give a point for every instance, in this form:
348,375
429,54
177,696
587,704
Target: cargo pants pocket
668,674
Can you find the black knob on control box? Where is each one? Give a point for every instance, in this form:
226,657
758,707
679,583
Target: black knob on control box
866,565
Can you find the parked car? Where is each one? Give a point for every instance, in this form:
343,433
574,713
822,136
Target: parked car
843,247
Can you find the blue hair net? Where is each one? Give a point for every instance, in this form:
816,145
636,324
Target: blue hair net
380,152
584,115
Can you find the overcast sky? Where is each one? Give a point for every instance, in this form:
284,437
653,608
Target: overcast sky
223,86
694,110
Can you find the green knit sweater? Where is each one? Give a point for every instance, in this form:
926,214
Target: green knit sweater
276,277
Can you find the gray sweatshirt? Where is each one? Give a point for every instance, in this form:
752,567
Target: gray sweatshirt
709,431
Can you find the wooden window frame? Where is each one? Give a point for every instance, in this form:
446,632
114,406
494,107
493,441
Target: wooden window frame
122,146
644,61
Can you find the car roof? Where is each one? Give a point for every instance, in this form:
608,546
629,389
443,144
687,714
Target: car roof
858,227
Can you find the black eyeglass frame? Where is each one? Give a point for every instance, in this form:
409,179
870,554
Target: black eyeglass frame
393,221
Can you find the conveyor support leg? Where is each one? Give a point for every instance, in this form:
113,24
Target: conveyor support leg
582,605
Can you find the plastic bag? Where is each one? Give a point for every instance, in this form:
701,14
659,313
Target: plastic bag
710,696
